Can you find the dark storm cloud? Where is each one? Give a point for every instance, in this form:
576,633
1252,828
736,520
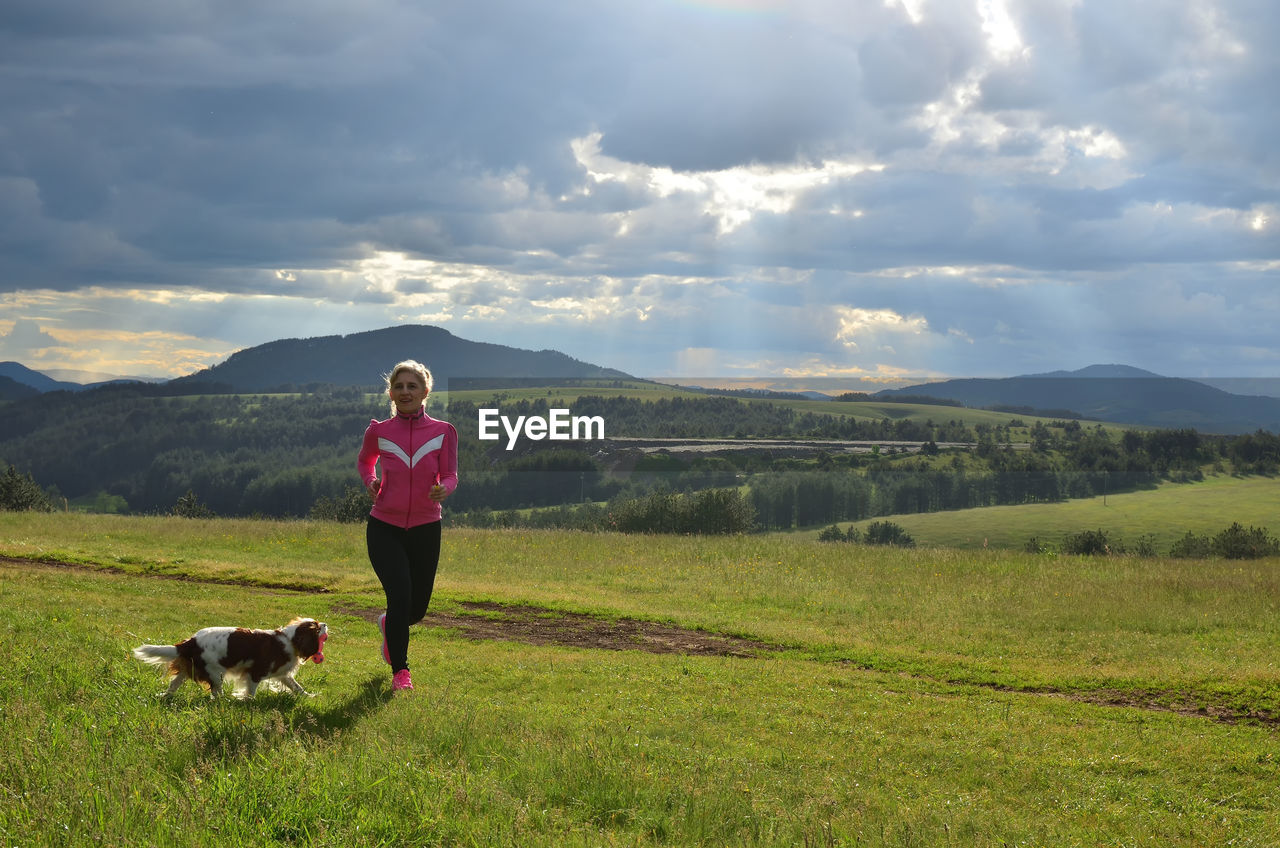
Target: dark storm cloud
1014,172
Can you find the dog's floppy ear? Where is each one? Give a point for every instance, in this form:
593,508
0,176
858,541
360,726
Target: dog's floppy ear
306,637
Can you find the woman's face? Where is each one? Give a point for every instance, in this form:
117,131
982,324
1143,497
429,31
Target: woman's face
407,392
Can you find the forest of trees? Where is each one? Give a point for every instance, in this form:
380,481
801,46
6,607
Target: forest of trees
139,449
242,455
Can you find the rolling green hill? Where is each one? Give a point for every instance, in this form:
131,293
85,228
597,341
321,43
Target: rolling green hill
1117,393
1165,513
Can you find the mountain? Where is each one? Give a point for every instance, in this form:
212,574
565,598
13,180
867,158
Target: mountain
56,380
11,389
1114,393
361,359
1267,386
1101,372
20,373
89,379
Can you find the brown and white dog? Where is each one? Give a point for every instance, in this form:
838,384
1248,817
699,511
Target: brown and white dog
248,656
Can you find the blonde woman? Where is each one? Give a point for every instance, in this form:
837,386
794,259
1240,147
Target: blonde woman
417,456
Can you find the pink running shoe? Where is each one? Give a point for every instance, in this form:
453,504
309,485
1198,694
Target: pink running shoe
382,625
401,680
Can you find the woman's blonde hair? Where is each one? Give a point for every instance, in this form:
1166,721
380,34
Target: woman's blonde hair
420,371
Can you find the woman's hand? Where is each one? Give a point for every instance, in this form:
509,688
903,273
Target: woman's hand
439,493
373,486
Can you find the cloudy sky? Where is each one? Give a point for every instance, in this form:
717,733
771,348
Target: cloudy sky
681,188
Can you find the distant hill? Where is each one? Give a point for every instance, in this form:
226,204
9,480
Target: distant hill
361,359
23,375
58,380
1267,386
11,389
1100,372
1117,394
89,379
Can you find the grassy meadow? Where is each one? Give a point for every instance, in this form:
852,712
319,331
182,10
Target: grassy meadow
933,696
1164,514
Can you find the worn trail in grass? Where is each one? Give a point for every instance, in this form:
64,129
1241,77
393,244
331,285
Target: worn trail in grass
914,697
1202,631
535,625
505,743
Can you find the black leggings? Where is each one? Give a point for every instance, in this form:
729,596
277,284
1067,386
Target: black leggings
405,561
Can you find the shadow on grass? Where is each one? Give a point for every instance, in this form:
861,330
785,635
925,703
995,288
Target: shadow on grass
373,693
235,729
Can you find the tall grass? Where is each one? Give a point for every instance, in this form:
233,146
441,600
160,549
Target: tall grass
296,554
909,710
972,616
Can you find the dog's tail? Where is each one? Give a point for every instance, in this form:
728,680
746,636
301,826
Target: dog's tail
156,654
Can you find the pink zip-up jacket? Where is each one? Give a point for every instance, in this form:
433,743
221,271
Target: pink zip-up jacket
416,453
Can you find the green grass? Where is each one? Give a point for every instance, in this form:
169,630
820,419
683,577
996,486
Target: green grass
1164,513
926,697
296,554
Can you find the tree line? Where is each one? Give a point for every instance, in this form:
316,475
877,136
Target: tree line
723,418
241,454
140,449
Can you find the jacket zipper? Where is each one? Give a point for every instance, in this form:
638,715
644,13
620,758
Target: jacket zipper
408,511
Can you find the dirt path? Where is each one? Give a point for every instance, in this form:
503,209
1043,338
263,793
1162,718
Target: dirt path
536,625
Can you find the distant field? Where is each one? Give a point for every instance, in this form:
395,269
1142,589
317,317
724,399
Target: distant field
925,412
1165,513
865,410
565,396
568,394
904,698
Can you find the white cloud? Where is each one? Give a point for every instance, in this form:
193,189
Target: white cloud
732,196
1003,39
25,337
855,326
